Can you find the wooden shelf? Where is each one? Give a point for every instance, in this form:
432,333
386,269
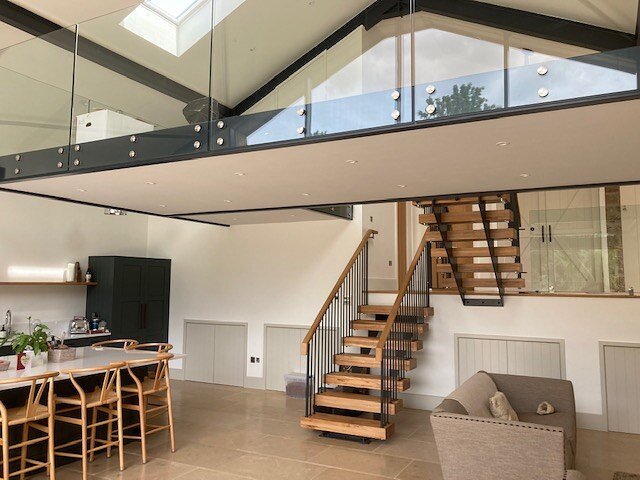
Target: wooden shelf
66,284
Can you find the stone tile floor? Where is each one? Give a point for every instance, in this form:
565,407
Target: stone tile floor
230,433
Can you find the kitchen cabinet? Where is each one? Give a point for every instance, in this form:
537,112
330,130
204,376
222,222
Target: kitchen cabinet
132,296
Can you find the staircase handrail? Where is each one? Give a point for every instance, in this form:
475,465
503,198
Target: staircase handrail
316,323
402,291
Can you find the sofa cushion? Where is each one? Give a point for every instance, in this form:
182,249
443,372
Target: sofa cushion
501,408
559,419
474,395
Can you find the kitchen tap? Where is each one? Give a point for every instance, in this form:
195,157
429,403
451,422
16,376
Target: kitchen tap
7,322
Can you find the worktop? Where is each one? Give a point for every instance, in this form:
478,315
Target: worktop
86,357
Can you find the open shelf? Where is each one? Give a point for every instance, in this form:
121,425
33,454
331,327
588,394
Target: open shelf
67,284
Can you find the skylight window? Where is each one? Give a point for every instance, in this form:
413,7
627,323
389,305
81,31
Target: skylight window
173,9
172,25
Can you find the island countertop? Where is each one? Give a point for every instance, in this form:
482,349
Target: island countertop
86,357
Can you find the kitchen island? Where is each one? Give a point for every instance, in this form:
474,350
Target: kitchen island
15,395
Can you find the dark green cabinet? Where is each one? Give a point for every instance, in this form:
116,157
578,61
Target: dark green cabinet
132,296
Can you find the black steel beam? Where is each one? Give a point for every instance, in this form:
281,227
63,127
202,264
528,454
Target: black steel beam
38,26
528,23
368,18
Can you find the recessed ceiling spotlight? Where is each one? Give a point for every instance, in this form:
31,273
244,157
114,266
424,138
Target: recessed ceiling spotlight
306,194
352,162
239,174
227,201
162,205
81,190
502,144
401,186
151,183
524,175
292,215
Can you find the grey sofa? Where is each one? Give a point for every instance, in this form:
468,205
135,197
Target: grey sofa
474,445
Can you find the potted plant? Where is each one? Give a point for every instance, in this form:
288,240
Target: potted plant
29,347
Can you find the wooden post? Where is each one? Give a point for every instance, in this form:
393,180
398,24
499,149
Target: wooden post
401,231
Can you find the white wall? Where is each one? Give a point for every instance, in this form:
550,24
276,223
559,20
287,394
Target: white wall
580,322
39,233
383,249
254,274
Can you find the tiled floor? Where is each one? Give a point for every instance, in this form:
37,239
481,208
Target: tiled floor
228,433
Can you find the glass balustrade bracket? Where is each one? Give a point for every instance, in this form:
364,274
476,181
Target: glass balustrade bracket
140,149
50,161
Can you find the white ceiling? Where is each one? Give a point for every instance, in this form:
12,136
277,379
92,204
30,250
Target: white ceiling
69,12
556,148
10,35
618,15
289,215
615,14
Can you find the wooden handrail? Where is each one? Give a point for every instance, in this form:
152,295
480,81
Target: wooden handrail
316,323
402,291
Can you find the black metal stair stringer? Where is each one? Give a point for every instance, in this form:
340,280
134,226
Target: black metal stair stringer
453,261
494,260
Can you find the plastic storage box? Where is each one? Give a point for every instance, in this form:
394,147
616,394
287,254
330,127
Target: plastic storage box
295,385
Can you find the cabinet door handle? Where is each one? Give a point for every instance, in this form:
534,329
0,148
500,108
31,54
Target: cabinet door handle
140,316
542,233
550,239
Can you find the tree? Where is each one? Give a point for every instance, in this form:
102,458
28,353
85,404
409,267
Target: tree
464,98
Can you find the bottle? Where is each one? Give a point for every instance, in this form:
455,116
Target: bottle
78,275
88,275
102,326
95,322
3,333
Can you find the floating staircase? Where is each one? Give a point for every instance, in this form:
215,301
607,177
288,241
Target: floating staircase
358,354
475,246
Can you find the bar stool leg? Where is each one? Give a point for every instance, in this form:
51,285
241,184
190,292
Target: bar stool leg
85,459
23,449
120,426
170,415
51,469
109,429
5,450
143,426
94,419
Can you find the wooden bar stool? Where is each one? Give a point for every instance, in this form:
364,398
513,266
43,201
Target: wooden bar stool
121,342
158,390
101,399
159,347
28,416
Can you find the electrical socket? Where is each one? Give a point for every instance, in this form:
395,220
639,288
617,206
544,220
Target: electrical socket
253,359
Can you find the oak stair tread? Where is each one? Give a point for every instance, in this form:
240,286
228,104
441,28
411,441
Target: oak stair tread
372,342
485,282
379,325
386,310
480,268
470,235
494,198
472,252
362,380
368,361
354,401
361,427
467,217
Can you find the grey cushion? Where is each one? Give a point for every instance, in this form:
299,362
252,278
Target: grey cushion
474,395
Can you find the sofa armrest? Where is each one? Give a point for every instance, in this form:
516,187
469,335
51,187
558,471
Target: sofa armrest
526,393
486,449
